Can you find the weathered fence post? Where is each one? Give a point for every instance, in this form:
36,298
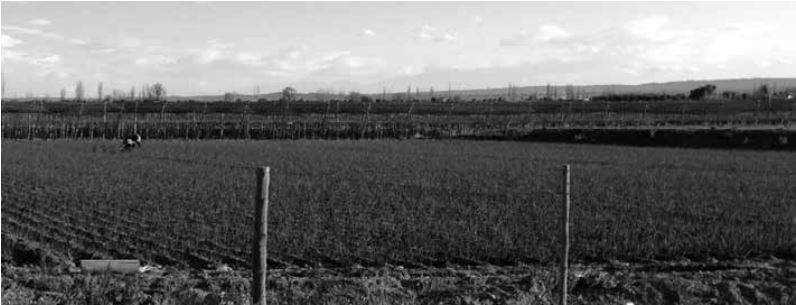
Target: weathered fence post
30,128
260,251
565,234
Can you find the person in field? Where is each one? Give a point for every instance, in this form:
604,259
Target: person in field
131,142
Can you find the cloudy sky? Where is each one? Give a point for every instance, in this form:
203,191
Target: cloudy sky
211,48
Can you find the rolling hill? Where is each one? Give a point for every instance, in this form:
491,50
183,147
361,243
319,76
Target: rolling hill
739,85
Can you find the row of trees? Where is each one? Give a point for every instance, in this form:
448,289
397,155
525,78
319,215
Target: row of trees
155,92
762,91
700,93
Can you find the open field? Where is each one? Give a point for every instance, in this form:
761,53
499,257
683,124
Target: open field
414,203
724,123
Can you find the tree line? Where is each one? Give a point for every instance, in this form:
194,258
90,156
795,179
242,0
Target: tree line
157,92
154,92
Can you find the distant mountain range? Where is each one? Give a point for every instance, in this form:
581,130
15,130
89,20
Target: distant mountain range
740,85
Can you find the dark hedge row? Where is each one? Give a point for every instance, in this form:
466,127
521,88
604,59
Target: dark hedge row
711,138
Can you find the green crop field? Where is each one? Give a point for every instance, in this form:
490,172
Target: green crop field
335,203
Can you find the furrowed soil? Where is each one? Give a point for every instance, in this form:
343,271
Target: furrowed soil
770,281
634,204
35,275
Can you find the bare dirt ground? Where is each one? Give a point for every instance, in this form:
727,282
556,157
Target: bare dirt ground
779,127
769,281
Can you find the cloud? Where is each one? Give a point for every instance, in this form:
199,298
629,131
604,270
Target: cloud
219,45
46,61
350,61
520,39
35,32
333,60
406,70
41,33
58,74
550,32
13,55
650,28
9,42
478,20
291,62
329,65
156,61
430,33
214,52
545,33
130,42
247,58
676,68
367,32
22,30
751,40
426,32
104,51
39,22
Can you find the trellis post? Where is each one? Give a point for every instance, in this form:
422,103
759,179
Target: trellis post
260,251
565,233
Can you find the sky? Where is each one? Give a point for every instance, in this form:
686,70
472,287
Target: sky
198,48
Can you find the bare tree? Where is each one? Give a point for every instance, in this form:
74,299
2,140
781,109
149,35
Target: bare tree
63,94
762,91
569,90
99,92
366,117
702,92
118,95
547,95
354,97
135,114
158,91
229,97
288,94
145,92
79,91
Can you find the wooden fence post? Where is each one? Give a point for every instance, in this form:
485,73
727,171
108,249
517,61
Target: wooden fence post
260,251
30,128
565,234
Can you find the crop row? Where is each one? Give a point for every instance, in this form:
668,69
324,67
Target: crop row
347,126
408,202
568,107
